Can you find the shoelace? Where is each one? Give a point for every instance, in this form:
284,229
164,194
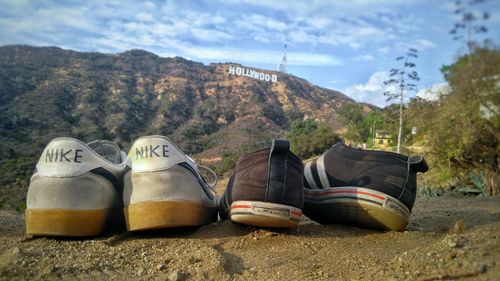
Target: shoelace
211,185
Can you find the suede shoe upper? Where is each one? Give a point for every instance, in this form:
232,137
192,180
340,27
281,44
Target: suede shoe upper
271,175
391,173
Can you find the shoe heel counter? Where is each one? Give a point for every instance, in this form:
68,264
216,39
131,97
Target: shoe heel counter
161,172
174,184
409,190
416,164
70,175
84,192
67,157
295,183
285,176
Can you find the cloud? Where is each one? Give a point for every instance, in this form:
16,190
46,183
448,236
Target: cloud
355,23
303,58
258,21
423,44
165,28
366,57
305,22
145,17
384,50
210,35
360,32
259,56
433,92
372,91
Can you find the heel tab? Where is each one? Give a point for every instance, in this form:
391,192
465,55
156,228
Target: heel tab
155,153
279,146
67,157
277,171
59,140
418,163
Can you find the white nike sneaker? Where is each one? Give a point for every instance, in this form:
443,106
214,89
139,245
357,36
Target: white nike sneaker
164,188
76,188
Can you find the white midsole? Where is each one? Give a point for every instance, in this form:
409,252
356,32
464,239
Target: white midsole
265,209
360,195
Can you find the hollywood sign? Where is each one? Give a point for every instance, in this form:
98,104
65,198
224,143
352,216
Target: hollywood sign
242,71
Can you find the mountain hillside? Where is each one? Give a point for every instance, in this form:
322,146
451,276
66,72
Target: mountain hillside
47,92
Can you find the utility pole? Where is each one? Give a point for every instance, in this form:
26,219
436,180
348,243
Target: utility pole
373,133
400,133
402,77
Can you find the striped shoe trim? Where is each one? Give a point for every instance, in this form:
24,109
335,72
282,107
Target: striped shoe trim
335,194
342,198
309,177
320,166
315,175
306,184
330,192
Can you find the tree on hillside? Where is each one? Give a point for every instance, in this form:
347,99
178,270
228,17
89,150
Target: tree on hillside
370,123
470,22
472,109
404,78
309,138
390,120
351,117
359,122
420,113
467,134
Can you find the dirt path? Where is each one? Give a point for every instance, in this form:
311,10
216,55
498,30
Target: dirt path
434,247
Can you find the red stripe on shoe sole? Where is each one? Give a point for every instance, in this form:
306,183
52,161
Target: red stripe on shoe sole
241,207
347,191
296,213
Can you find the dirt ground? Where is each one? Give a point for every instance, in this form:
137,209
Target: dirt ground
449,237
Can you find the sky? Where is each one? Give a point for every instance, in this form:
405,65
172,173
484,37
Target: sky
347,46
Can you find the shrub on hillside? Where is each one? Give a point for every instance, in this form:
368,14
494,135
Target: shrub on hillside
309,138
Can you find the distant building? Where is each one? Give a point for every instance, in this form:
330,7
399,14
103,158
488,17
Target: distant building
382,139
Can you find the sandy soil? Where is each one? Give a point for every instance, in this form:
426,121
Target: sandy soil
450,237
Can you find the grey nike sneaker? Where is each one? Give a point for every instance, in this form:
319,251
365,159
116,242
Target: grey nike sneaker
76,189
164,188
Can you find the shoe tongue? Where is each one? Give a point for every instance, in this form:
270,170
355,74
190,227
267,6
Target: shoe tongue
107,149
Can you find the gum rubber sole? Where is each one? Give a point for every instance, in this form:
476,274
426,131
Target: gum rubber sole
64,222
166,214
356,206
264,214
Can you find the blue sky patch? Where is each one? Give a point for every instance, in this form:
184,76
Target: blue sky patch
342,45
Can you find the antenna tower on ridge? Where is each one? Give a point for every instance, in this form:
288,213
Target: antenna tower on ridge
283,64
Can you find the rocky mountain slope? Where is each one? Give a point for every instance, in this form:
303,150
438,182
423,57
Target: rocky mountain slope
47,92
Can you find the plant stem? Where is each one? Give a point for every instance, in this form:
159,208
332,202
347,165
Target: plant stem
400,119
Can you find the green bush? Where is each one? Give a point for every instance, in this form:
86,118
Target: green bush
274,113
308,138
228,161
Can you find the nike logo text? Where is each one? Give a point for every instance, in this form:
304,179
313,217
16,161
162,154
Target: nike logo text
61,155
149,151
